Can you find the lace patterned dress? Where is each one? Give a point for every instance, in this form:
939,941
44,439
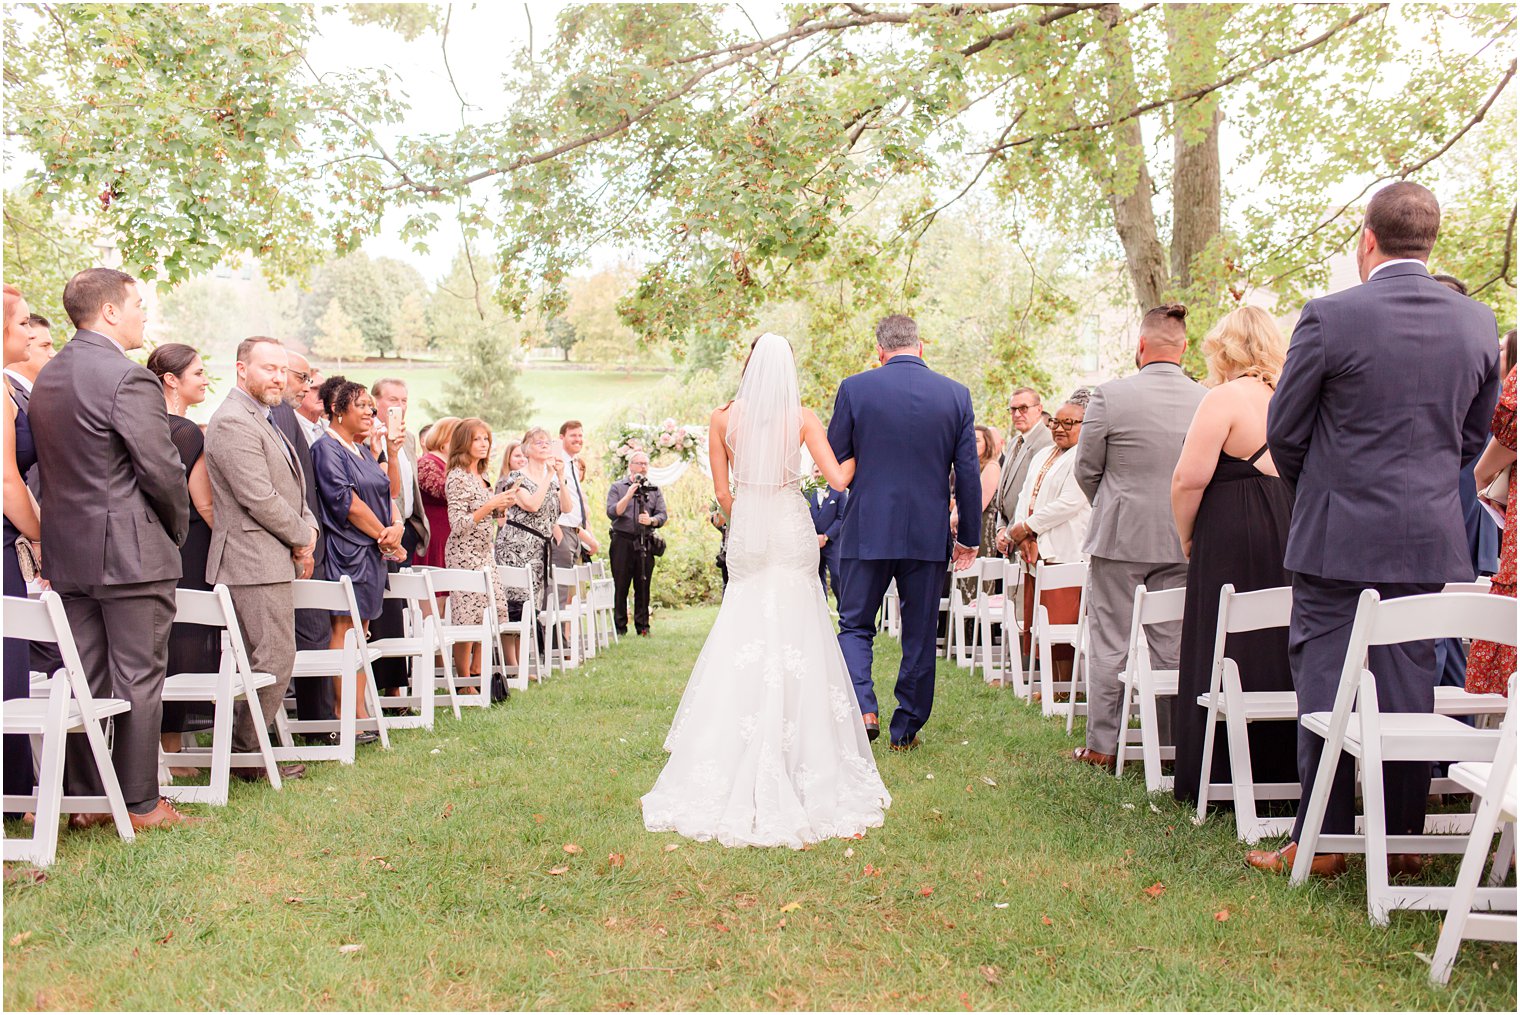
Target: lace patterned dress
469,544
767,747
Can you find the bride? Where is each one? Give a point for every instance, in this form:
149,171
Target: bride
767,747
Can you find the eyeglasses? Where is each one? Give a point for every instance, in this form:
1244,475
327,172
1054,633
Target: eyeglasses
1064,424
304,378
1019,410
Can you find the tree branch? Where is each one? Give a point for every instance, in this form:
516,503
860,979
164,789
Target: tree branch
1503,273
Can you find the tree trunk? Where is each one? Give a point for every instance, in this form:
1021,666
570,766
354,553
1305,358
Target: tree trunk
1193,61
1120,170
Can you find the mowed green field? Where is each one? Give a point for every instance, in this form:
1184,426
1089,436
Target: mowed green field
500,862
558,394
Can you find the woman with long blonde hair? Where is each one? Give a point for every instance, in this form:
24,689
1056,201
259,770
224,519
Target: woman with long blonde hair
1232,512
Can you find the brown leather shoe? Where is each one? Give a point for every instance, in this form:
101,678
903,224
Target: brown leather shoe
93,819
163,816
908,745
1280,861
873,725
1091,757
259,775
1407,864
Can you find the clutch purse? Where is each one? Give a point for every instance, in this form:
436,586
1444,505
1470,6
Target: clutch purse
1497,491
29,556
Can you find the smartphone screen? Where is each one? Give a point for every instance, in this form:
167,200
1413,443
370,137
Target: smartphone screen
393,417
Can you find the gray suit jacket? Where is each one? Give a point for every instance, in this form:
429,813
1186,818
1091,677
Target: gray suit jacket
1038,439
417,521
259,496
1131,439
115,507
1387,394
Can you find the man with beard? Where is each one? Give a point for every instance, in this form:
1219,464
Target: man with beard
265,535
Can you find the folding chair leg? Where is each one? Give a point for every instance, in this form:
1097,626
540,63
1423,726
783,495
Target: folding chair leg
372,696
1473,860
1206,770
1126,701
1150,735
221,745
348,721
43,848
1503,857
261,732
1375,831
448,679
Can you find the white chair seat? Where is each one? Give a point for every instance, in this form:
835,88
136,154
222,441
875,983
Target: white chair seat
28,716
1260,706
1407,736
202,686
1474,776
379,647
1456,701
323,662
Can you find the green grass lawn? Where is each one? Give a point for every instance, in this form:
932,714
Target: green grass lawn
1005,878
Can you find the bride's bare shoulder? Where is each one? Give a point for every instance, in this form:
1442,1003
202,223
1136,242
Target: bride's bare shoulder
719,415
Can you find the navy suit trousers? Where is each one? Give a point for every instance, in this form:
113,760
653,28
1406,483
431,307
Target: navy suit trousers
1318,635
918,590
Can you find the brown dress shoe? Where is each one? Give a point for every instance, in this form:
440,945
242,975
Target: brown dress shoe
163,816
92,819
906,745
1280,861
1407,864
1091,757
259,775
873,725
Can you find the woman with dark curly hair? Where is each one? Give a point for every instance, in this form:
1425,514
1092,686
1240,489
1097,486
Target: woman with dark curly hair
360,523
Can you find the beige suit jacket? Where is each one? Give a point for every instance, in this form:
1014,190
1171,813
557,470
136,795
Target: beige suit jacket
258,495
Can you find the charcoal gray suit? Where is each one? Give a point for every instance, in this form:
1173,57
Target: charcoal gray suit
1386,395
1021,450
314,697
1132,436
115,509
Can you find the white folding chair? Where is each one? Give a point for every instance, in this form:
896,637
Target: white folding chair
603,599
988,610
1357,727
567,643
351,664
947,643
1045,635
234,681
1145,686
587,612
486,633
418,642
529,661
1493,787
68,708
960,612
891,611
1241,612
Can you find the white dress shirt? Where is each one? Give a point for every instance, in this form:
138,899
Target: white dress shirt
408,478
575,518
19,381
1061,510
1396,260
311,430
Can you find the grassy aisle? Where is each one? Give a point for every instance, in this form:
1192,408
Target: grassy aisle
1004,879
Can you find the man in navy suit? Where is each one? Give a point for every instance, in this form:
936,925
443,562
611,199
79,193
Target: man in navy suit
827,507
906,427
1386,394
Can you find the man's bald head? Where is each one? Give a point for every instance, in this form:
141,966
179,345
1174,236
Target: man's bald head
1163,335
297,378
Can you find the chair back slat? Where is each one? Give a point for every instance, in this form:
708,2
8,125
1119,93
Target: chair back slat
29,620
316,594
455,579
1161,606
514,576
1444,615
194,606
412,587
43,619
1060,576
1257,611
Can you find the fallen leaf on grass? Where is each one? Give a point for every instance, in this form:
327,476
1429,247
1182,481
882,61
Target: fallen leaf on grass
720,928
926,891
746,901
538,819
1156,890
1155,809
295,900
349,949
557,871
615,859
18,940
447,810
166,938
989,973
791,906
1222,915
849,851
1128,807
965,1000
872,871
1047,921
671,847
383,862
551,953
573,849
1000,905
435,751
988,781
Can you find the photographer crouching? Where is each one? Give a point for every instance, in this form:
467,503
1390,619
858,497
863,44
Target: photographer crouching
636,508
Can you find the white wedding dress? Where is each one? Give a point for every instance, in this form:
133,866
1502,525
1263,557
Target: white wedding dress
767,747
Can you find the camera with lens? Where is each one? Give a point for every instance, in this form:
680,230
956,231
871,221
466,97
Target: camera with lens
642,482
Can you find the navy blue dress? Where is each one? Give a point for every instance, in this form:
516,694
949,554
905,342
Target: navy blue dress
342,475
18,665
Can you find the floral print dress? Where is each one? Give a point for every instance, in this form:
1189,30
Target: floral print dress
1490,666
519,548
469,544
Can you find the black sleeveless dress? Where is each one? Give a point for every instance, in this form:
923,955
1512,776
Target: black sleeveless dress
18,675
1239,539
192,647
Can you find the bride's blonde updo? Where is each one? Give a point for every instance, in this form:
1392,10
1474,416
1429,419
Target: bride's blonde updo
1245,343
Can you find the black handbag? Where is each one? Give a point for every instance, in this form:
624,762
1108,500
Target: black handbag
656,544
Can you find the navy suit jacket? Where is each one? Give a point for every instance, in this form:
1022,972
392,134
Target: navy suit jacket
828,517
1387,393
906,427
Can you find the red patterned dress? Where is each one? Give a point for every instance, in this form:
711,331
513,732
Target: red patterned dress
1489,666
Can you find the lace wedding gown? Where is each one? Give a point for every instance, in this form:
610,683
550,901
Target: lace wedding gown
767,747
